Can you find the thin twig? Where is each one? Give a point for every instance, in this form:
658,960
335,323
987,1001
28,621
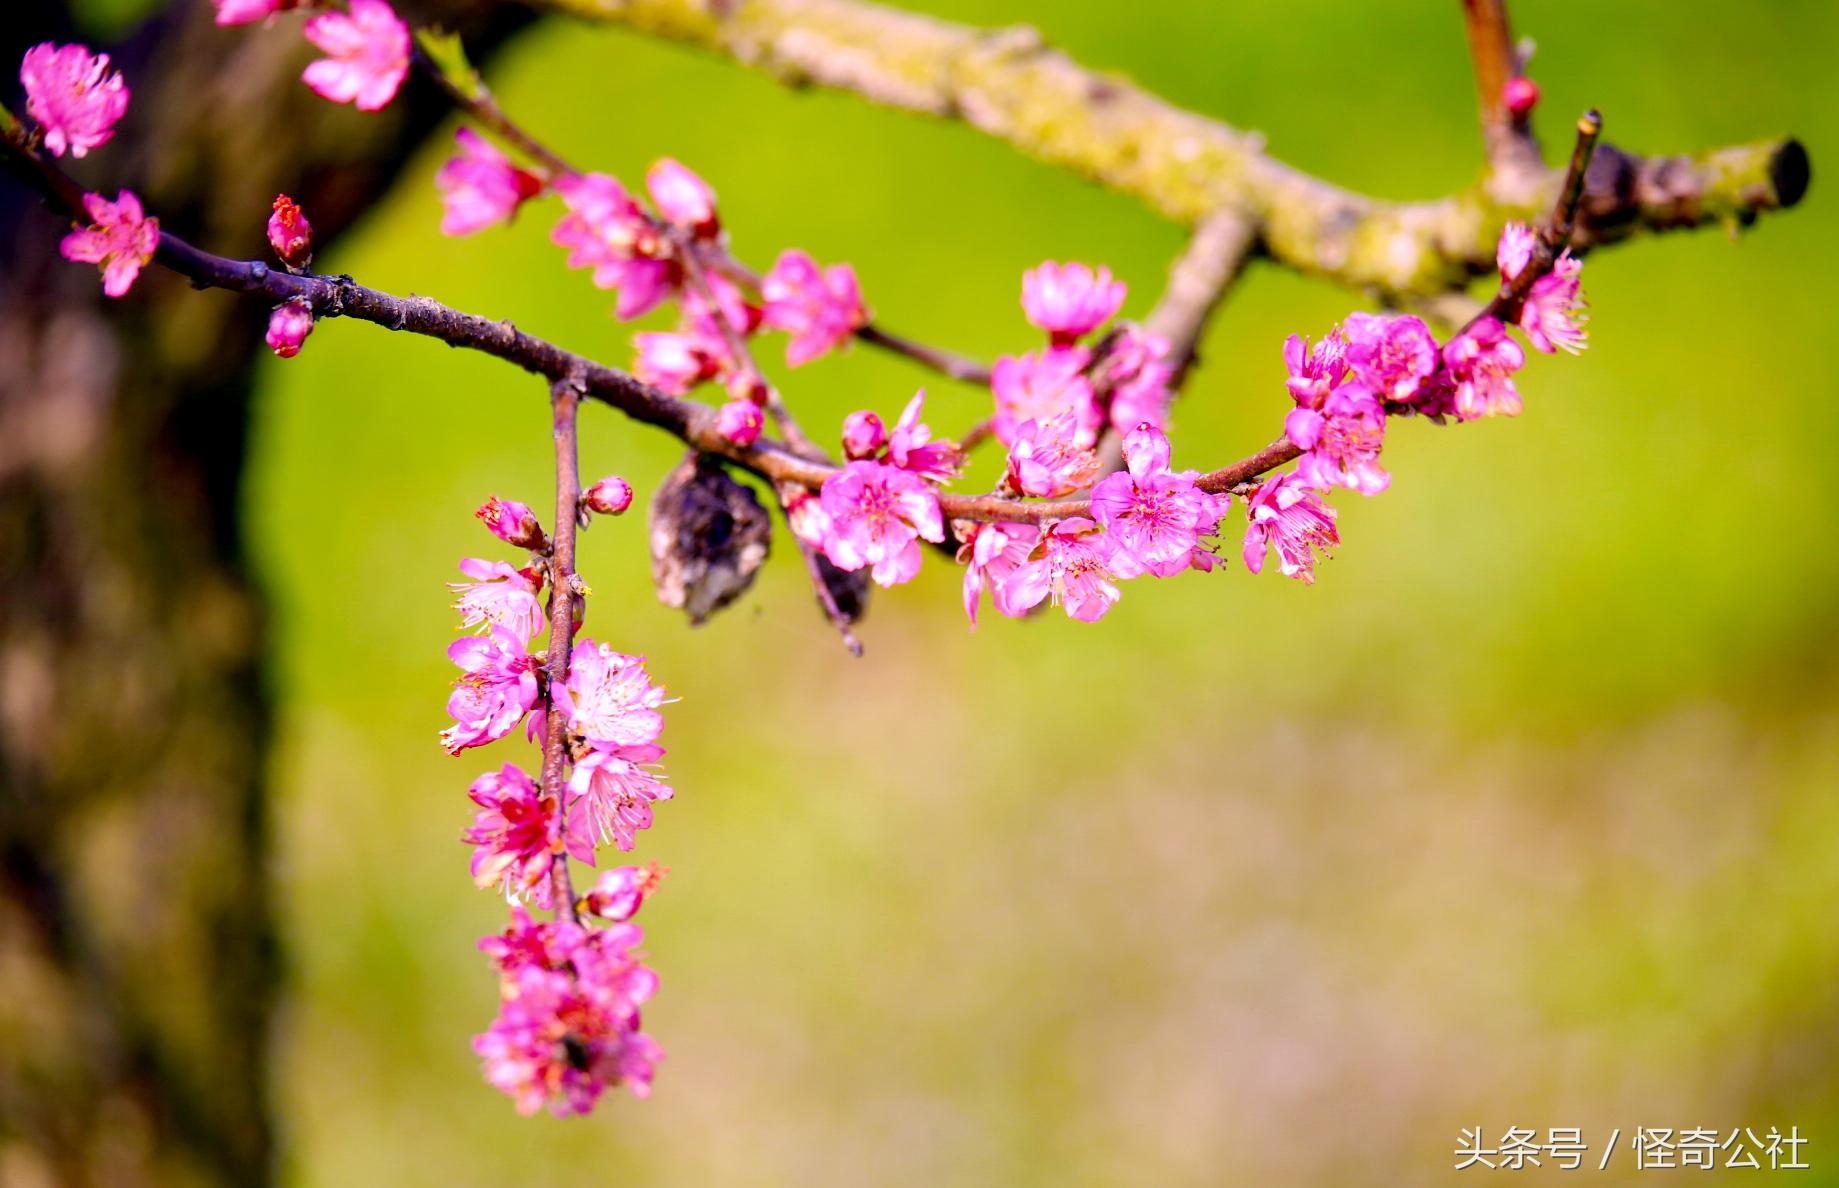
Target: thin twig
952,366
1199,280
564,596
1554,235
473,97
1513,155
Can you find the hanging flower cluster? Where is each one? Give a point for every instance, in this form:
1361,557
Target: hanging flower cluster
568,1024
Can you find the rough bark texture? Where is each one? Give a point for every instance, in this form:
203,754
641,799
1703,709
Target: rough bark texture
137,956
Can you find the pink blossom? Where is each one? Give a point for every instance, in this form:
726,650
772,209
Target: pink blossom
497,690
119,238
611,702
1071,564
993,553
1038,387
911,447
1138,376
740,422
1314,371
1341,440
683,198
611,796
288,327
513,522
243,12
620,892
1046,462
1553,314
611,496
289,233
481,186
805,515
74,96
1392,356
1070,300
563,1036
675,362
878,514
1152,515
1514,252
863,435
367,54
500,595
1285,514
820,309
545,944
1481,362
510,834
607,231
1521,95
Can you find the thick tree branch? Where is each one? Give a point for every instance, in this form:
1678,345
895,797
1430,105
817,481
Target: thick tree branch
1009,84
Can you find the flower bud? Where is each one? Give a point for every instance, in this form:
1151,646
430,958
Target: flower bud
740,422
863,435
290,234
620,891
513,522
1521,95
610,496
682,198
289,326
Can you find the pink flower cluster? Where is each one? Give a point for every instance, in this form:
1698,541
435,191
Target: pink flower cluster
1121,381
570,991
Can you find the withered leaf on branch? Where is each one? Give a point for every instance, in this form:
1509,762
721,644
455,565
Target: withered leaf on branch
709,537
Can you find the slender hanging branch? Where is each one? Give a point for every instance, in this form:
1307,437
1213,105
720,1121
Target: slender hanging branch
565,595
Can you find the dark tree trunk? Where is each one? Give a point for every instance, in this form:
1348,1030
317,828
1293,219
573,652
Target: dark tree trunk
137,952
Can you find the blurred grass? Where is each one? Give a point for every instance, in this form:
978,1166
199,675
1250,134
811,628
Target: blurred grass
1523,815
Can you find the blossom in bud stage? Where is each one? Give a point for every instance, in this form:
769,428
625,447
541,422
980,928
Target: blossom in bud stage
1514,251
740,422
1392,356
911,447
1070,300
805,516
992,553
878,514
73,95
1341,440
607,231
289,233
120,238
1314,371
609,497
1071,565
500,595
289,326
682,198
863,435
510,834
1285,514
1046,461
1481,362
1521,95
367,54
481,186
513,522
611,702
620,892
1139,378
566,1032
1038,387
819,308
497,690
1152,515
611,797
1553,314
243,12
676,362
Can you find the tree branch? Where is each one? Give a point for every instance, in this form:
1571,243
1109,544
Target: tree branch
564,597
1199,280
1009,84
1513,154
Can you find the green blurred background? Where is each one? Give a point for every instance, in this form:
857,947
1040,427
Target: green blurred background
1523,815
